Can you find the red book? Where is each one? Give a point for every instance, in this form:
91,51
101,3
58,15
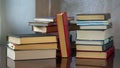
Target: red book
96,54
63,34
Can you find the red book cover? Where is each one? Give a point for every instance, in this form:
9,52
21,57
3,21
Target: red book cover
63,34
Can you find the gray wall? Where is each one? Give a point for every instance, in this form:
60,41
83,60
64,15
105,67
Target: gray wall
19,13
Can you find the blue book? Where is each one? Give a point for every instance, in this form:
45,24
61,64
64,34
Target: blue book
92,22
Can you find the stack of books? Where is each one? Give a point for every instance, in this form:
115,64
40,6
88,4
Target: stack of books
31,46
50,26
94,37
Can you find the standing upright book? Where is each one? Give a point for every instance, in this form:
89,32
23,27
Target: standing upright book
63,33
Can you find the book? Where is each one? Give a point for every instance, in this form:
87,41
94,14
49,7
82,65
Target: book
86,47
100,16
94,34
95,55
94,42
45,19
41,24
63,34
41,63
32,46
49,29
31,38
94,23
95,27
31,54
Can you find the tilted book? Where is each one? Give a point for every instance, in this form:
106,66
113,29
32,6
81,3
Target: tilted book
63,33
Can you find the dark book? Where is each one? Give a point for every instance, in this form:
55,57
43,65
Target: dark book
63,34
31,38
100,16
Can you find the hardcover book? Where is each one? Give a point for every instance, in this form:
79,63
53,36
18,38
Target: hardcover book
30,54
63,34
99,16
31,38
95,55
94,34
94,42
36,46
86,47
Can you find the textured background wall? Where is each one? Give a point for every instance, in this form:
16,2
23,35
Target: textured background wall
73,7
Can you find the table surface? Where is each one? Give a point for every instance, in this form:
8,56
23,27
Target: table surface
113,62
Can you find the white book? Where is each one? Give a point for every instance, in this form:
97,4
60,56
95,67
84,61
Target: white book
31,54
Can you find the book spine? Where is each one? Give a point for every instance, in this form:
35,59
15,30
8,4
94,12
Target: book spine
63,35
66,31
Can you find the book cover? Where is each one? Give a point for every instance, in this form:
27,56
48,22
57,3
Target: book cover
31,38
63,34
99,16
95,55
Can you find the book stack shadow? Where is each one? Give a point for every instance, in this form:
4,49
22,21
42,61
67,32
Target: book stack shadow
95,37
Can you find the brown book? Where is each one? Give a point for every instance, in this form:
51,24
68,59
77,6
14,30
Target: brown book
63,34
31,38
100,16
33,46
95,55
49,29
31,54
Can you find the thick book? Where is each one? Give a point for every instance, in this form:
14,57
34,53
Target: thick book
95,55
94,42
49,29
100,16
33,46
63,34
86,47
44,63
94,34
31,38
30,54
